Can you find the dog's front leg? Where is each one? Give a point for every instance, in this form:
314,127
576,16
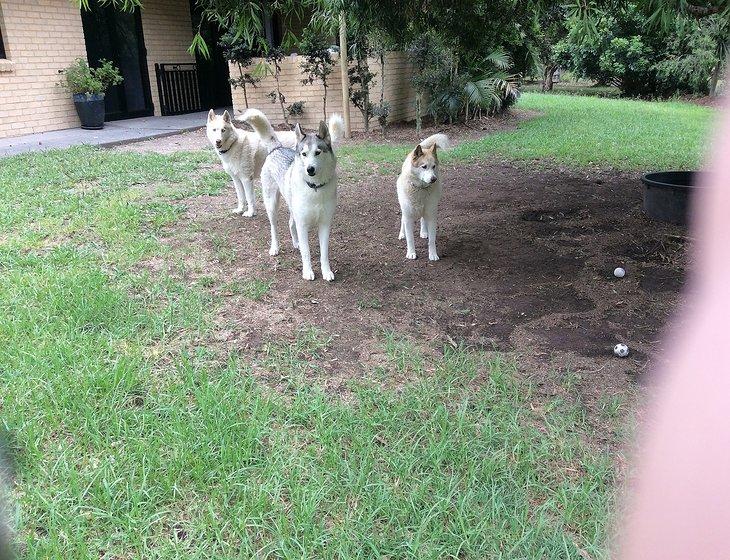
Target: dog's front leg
324,252
250,197
303,235
238,185
410,242
424,229
293,232
271,202
430,222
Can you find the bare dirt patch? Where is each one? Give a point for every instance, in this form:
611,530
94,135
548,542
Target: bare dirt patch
527,249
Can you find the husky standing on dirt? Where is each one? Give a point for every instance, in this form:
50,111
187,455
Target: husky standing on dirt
242,155
307,179
419,192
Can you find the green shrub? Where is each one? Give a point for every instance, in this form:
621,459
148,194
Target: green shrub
460,93
296,109
80,78
645,60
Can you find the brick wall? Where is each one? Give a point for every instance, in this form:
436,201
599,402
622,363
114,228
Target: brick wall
43,36
398,92
40,36
168,32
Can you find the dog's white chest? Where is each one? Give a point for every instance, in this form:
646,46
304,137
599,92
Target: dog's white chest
416,200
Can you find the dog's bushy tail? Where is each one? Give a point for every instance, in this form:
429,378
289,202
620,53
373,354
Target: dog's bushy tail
440,140
336,127
261,126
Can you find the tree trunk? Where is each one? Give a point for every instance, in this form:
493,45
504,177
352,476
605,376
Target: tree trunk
324,102
243,85
547,77
280,99
382,77
343,75
714,77
418,113
364,70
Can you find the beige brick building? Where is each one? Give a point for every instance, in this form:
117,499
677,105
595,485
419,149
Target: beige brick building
40,37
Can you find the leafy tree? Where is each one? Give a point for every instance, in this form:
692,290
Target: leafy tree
625,49
318,63
696,53
272,66
246,19
380,44
663,14
549,27
360,77
242,56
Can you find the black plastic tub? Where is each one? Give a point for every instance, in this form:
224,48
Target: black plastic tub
668,195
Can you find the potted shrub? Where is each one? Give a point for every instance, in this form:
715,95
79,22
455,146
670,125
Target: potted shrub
88,86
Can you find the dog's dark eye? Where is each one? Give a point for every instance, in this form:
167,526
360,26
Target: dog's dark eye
424,166
304,154
317,152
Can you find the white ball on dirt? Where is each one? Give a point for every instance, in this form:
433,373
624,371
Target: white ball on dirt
621,350
619,272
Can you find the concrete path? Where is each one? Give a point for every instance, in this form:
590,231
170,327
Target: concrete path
113,133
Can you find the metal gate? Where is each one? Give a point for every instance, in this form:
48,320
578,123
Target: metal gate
177,85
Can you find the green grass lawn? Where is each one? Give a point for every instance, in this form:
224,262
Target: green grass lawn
586,131
133,441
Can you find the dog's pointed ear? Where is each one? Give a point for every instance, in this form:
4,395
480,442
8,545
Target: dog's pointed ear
298,132
226,116
323,133
418,152
211,115
433,150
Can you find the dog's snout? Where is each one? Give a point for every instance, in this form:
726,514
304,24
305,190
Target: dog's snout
218,143
433,179
310,171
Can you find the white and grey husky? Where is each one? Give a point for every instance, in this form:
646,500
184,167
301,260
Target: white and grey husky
307,179
242,155
419,192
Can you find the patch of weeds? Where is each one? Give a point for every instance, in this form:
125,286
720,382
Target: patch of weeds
252,288
161,214
293,361
569,380
369,303
223,250
611,406
206,281
402,353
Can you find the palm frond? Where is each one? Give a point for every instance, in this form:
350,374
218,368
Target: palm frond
499,58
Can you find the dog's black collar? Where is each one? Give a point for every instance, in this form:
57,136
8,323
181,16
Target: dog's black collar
314,186
229,147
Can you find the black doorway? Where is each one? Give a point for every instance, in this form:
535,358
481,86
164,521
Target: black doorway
213,75
117,36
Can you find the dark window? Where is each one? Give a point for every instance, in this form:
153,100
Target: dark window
2,45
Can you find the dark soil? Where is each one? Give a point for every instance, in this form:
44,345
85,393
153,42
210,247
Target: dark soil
527,258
